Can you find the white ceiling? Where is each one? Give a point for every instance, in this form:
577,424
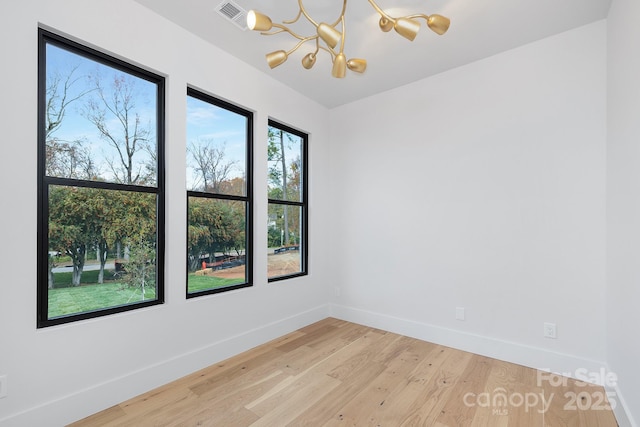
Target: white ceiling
479,28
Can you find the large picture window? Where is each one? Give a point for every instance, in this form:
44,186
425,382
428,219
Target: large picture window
101,183
287,211
218,195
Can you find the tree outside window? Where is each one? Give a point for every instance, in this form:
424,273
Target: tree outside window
100,184
218,161
287,210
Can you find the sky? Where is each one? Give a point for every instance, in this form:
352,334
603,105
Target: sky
206,123
75,124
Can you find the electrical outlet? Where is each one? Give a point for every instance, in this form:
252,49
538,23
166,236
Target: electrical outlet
336,291
3,386
550,330
460,313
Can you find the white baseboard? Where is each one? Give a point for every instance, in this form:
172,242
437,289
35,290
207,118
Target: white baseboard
623,416
520,354
513,352
85,402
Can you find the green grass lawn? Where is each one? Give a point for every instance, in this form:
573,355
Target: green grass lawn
84,298
63,280
65,299
204,283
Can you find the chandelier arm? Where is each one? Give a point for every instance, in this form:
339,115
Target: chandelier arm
294,20
318,47
331,52
344,9
283,29
380,11
344,32
306,15
418,15
303,11
300,43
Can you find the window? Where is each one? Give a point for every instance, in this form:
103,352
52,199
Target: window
100,184
287,192
218,195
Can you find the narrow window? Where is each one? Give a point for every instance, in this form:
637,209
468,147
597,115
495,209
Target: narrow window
287,211
100,183
218,195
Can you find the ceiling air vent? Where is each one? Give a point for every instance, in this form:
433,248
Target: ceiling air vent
233,13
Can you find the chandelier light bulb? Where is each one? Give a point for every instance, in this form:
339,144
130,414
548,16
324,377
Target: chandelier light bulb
329,35
407,28
258,22
385,24
309,60
438,24
276,58
358,65
339,69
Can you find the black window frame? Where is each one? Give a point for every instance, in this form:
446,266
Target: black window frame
247,198
45,38
303,204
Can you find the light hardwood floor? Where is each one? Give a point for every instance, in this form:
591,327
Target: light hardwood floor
336,373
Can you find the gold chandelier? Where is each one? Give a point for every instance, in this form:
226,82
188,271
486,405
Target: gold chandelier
407,26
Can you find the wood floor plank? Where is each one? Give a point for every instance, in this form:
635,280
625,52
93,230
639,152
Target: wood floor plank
352,331
161,399
321,367
472,380
301,359
299,396
286,390
437,389
328,407
321,324
521,382
508,398
360,409
219,408
319,334
337,373
219,379
403,398
558,388
101,418
373,342
353,379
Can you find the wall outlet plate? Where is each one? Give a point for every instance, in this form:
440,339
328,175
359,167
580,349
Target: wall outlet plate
460,313
550,330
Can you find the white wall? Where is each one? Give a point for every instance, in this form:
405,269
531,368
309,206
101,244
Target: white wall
60,374
483,188
623,200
